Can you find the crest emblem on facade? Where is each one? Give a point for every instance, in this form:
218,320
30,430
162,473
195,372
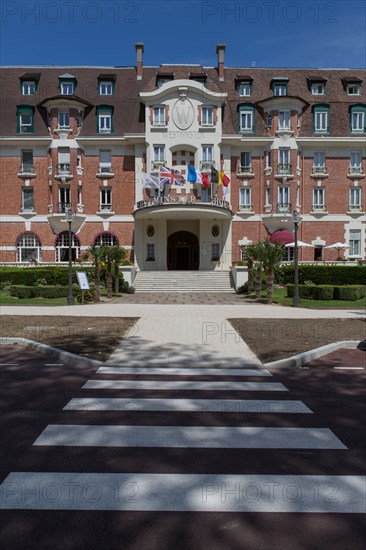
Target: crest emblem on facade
183,113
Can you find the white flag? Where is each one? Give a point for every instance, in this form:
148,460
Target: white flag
149,182
198,177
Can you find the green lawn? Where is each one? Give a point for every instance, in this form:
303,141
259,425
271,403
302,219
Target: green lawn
6,299
280,297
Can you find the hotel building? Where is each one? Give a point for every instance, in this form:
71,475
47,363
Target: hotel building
80,138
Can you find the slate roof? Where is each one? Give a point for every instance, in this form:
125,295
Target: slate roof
129,114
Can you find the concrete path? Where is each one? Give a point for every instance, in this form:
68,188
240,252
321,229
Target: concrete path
183,335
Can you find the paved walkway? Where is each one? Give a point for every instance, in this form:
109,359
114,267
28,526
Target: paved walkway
183,334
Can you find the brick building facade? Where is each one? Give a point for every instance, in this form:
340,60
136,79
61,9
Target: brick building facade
81,138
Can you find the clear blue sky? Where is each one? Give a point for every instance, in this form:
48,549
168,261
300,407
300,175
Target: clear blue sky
273,33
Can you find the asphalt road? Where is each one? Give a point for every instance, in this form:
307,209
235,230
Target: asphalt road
246,466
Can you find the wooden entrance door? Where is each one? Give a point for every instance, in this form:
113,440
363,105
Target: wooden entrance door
183,251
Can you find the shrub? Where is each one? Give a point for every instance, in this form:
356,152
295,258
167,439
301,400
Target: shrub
323,274
349,292
52,275
21,291
311,292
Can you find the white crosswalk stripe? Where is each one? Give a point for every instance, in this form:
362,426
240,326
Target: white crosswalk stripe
197,492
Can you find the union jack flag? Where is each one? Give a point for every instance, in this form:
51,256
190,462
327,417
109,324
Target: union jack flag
169,176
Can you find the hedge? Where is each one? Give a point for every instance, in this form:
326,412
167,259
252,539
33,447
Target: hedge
328,292
323,274
40,291
349,292
29,276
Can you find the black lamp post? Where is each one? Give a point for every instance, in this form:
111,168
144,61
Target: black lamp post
296,301
70,297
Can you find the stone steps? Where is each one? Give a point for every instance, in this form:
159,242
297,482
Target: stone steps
183,281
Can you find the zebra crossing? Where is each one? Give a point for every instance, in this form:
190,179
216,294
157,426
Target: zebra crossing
172,393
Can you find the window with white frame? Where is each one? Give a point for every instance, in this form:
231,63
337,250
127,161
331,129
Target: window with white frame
279,89
27,162
28,87
284,120
105,162
106,239
268,120
207,153
246,120
284,157
355,242
28,247
318,88
319,159
246,161
25,119
318,198
355,162
64,203
159,116
63,119
358,120
62,247
245,198
150,252
268,196
284,198
353,89
67,88
106,87
106,199
27,199
245,89
321,120
105,123
355,198
159,153
64,166
215,252
207,116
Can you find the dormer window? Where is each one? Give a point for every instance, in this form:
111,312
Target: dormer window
321,119
279,86
353,89
244,89
67,84
25,119
28,87
67,88
358,119
200,79
318,88
106,83
29,83
163,79
246,119
104,119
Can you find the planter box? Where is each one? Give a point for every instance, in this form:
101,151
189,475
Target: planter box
129,273
240,275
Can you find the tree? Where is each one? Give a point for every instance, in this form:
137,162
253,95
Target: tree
250,257
119,254
272,257
97,253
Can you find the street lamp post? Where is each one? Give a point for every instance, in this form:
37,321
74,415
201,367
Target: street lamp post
296,300
70,297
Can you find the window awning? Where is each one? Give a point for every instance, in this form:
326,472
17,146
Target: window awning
283,236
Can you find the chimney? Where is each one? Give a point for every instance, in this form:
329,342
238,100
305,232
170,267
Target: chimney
220,50
139,51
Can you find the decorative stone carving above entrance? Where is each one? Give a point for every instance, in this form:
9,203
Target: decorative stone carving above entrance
183,113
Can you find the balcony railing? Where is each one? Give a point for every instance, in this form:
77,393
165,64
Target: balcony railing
105,170
63,207
105,208
246,207
284,207
206,165
245,171
319,171
356,171
155,165
27,168
64,169
284,169
318,208
355,208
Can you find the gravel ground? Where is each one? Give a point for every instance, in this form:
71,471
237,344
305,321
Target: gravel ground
97,337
